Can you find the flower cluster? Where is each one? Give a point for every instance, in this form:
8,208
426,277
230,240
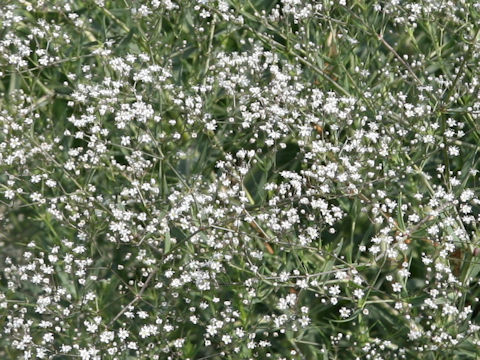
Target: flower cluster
239,180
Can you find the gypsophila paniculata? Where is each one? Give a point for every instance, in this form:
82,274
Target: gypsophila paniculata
220,179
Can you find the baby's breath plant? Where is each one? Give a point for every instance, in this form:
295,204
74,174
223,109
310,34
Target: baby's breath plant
226,179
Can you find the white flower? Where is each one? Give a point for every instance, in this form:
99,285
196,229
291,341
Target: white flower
344,312
48,337
122,334
358,293
453,151
397,287
467,195
148,330
226,339
178,343
107,336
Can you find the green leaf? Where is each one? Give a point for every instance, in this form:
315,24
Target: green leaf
400,222
167,243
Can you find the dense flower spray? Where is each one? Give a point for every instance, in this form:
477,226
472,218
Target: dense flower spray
239,179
